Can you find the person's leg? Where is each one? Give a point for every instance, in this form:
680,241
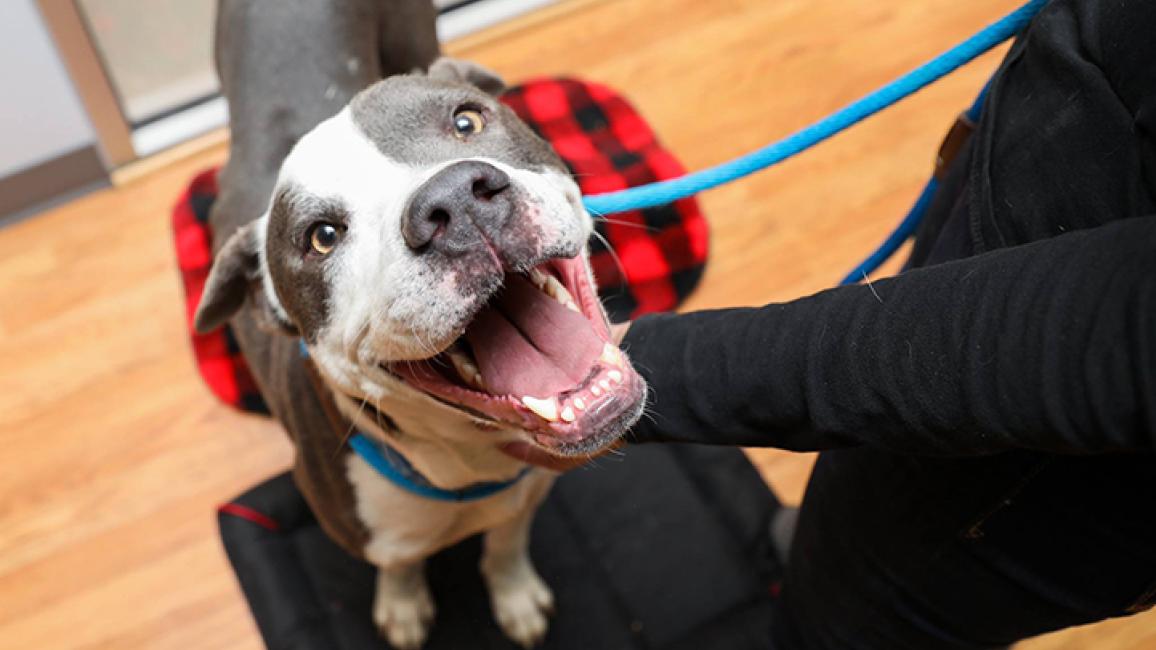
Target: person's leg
907,552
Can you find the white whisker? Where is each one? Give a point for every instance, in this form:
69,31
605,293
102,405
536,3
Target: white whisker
349,432
640,226
872,287
613,253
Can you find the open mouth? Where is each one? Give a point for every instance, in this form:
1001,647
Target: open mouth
538,356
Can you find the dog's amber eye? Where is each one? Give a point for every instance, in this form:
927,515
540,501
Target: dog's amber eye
468,122
323,237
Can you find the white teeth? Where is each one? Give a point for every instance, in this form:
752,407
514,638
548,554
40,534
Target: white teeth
568,414
615,376
596,390
611,355
538,278
554,288
579,404
604,384
550,286
466,368
547,409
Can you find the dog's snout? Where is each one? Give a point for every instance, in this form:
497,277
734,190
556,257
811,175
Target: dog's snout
456,205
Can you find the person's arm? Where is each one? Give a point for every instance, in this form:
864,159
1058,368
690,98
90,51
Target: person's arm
1047,346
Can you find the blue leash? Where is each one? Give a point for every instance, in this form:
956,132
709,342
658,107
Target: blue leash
663,192
906,228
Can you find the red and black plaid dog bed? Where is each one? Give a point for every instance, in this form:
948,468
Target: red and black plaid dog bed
658,254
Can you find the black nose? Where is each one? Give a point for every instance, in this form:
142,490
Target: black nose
452,209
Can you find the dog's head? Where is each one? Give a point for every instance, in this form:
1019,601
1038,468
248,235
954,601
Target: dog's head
425,242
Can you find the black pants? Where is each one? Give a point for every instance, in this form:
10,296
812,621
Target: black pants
897,551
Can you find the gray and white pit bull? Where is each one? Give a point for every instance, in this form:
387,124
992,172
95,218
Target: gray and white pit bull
380,205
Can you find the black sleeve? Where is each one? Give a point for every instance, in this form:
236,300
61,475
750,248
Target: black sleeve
1048,346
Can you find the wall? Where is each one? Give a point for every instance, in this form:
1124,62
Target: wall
41,117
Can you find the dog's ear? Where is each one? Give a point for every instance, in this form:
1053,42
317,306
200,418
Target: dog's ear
235,269
449,69
235,276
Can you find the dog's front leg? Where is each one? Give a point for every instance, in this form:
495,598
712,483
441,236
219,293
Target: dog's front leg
518,596
403,608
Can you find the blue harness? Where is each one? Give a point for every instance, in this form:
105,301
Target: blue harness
394,467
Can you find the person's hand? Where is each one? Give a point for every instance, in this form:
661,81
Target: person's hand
528,453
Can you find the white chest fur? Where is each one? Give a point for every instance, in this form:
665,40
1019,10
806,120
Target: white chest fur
405,527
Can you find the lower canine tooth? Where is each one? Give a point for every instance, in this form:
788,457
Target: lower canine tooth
615,376
547,409
568,414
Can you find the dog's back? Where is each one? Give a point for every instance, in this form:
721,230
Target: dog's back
285,66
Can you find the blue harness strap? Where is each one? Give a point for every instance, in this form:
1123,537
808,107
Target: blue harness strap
394,467
397,470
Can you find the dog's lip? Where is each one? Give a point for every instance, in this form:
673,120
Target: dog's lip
611,391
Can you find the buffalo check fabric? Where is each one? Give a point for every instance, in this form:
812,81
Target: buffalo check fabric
608,146
219,358
644,260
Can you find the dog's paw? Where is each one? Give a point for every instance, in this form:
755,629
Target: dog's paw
404,620
521,606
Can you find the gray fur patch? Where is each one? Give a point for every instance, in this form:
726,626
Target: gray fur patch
300,277
409,118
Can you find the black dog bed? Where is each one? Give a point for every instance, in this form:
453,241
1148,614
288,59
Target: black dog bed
664,548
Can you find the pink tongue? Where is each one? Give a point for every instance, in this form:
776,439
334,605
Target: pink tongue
527,343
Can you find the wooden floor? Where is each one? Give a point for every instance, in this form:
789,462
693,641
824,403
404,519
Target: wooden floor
115,454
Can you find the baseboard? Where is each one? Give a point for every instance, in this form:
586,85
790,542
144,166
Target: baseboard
466,17
37,188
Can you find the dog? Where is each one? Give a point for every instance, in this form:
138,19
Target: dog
398,254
